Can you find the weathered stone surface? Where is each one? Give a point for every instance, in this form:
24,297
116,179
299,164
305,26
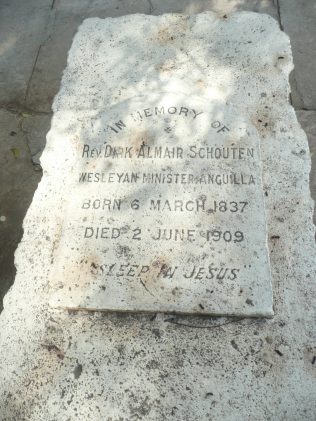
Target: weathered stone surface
169,62
90,365
165,210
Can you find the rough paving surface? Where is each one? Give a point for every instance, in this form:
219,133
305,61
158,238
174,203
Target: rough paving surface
298,19
80,365
19,180
307,119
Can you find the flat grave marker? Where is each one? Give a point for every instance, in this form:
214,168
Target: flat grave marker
165,211
167,126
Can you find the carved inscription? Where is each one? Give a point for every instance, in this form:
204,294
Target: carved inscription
165,213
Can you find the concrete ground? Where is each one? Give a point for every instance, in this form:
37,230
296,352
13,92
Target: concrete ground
35,36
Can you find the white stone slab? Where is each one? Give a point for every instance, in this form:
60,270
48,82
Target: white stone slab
61,365
165,210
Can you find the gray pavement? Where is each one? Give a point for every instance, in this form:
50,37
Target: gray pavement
35,36
298,19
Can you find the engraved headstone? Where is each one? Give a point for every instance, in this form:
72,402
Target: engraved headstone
223,83
165,210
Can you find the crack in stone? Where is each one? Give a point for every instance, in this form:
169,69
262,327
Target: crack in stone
174,321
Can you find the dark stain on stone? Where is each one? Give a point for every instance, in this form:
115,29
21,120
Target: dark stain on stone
157,333
77,371
234,345
275,237
208,394
152,365
140,410
302,152
54,349
70,400
121,349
